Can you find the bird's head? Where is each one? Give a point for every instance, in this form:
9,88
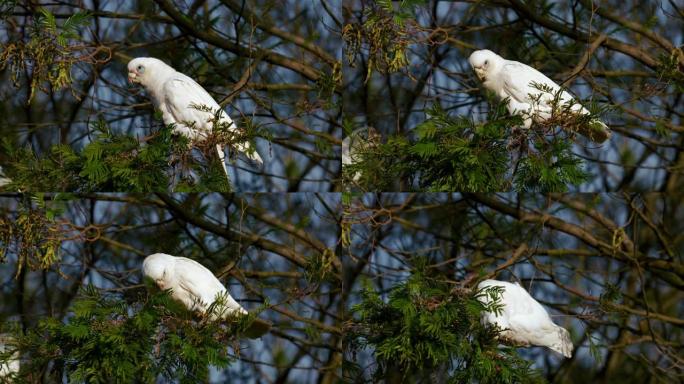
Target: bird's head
484,62
158,268
146,70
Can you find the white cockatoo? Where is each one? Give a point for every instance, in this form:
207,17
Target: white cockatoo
12,365
196,288
522,320
178,97
520,84
359,140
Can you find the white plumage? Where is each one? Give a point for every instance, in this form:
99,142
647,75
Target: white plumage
359,140
12,365
195,287
177,96
520,83
523,321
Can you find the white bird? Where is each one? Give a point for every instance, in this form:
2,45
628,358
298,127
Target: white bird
11,365
522,320
520,84
196,288
353,145
177,96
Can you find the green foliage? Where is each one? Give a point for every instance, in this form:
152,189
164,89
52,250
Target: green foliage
425,331
225,131
69,29
114,162
107,339
319,268
33,235
669,70
453,153
383,35
609,297
379,166
550,167
594,347
403,12
47,57
328,83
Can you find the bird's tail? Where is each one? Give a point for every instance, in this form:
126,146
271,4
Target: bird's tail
251,154
563,344
222,159
595,130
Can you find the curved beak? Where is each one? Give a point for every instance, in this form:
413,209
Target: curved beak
132,77
480,73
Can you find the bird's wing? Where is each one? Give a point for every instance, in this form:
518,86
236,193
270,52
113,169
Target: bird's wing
201,282
182,96
520,303
197,280
181,93
522,81
519,84
500,318
526,314
519,80
526,321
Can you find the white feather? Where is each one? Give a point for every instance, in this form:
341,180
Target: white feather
523,320
177,96
12,365
520,83
190,282
353,145
197,289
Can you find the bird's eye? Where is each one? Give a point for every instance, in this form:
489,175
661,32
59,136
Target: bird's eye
141,68
486,62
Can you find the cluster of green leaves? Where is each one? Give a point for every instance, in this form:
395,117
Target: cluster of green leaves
107,339
319,267
48,55
453,153
426,331
327,84
383,35
550,167
609,297
404,9
32,234
113,162
670,72
226,133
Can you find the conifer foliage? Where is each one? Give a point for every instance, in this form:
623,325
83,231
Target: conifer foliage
414,262
76,308
425,329
117,162
454,153
63,65
108,339
407,75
